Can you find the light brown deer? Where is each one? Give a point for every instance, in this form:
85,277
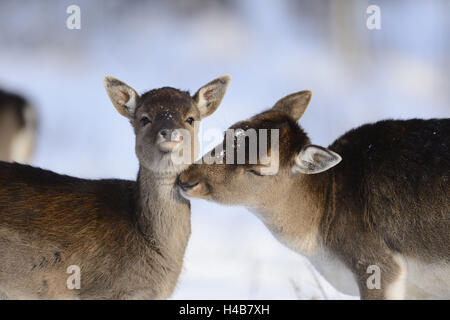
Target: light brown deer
127,238
377,221
18,128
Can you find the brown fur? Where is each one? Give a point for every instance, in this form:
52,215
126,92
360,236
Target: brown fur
386,203
127,237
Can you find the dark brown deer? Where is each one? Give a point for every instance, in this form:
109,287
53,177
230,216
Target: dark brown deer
377,221
18,128
127,238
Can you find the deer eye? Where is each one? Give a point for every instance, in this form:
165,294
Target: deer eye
190,120
145,121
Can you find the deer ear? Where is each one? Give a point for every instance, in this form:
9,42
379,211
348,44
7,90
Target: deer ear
294,104
123,97
209,97
314,159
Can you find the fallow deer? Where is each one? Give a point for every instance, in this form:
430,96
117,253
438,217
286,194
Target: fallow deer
377,221
127,238
18,128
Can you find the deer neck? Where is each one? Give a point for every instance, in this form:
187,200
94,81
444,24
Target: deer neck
295,212
163,215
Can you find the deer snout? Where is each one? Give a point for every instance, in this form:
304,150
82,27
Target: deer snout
185,182
186,186
191,188
168,139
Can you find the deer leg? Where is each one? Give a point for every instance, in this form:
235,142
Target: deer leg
382,278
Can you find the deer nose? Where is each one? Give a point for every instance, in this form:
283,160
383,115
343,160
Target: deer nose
169,134
163,132
168,139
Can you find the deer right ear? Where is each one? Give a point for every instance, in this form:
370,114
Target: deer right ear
123,97
209,97
294,104
315,159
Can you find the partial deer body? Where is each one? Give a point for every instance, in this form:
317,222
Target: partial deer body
377,199
128,238
18,126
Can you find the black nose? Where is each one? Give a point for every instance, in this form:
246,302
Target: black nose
186,185
164,132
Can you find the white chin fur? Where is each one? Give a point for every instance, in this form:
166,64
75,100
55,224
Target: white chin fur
169,146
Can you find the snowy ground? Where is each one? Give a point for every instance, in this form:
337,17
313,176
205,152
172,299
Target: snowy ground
269,53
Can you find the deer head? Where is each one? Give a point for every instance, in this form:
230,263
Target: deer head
158,117
250,183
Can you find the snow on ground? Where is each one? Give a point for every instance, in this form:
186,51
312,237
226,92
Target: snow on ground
269,52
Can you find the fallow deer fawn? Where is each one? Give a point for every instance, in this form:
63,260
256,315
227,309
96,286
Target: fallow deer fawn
18,126
385,208
128,238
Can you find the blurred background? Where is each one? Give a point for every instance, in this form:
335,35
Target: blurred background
271,48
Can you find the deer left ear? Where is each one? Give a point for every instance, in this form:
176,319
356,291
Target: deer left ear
209,97
315,159
123,97
294,105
